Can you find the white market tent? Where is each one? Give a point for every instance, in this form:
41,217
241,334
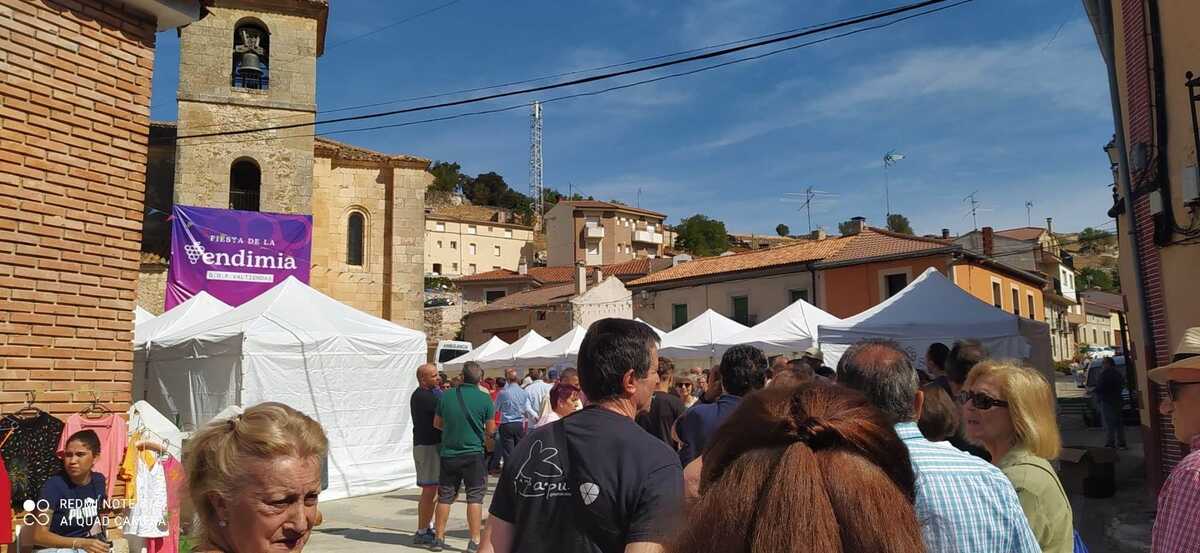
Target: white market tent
195,310
350,371
930,309
792,330
141,315
699,337
661,335
508,356
491,346
563,350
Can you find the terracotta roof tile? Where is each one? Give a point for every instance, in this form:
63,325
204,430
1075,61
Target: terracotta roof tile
802,252
325,146
596,204
1109,301
639,266
1022,233
875,242
531,298
558,275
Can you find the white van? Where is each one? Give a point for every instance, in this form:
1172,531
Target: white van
448,350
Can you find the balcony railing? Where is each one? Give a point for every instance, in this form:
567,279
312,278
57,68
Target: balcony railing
647,237
591,231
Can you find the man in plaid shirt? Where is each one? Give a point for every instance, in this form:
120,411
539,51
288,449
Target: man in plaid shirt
1177,527
965,504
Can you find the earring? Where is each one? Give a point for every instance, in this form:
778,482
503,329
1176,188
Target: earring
222,523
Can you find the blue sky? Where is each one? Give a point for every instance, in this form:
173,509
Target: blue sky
1005,97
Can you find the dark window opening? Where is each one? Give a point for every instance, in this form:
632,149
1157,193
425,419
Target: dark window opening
1031,309
895,283
678,315
354,239
796,295
251,57
741,310
493,295
1016,302
245,182
997,299
437,268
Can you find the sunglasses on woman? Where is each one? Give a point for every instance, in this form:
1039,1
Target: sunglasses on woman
1175,387
980,400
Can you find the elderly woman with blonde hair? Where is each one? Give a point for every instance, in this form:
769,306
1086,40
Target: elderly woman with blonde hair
1009,410
253,480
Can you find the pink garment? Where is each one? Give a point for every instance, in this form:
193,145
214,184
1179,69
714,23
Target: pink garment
114,437
547,418
175,480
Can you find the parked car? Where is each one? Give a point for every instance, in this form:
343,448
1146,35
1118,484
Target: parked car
448,350
438,302
1091,378
1098,352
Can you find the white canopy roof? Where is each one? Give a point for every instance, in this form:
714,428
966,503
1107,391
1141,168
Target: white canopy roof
698,338
292,314
508,356
930,309
661,335
351,372
141,315
192,312
491,346
792,330
564,349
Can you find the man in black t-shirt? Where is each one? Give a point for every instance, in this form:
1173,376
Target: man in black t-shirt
665,407
426,441
593,482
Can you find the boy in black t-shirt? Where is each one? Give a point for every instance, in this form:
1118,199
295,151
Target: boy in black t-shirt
69,505
593,482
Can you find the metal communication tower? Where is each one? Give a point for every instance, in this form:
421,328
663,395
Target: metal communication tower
535,164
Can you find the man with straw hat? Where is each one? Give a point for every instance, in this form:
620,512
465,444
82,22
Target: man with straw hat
1176,529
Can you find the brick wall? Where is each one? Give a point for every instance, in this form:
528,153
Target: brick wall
1166,450
74,116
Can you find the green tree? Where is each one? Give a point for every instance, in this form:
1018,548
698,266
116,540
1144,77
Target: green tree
899,224
447,176
1095,278
845,227
782,229
1092,240
701,236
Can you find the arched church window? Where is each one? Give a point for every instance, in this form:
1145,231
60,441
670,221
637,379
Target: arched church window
251,56
245,182
355,225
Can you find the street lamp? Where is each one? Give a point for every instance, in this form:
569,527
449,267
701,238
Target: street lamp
1111,150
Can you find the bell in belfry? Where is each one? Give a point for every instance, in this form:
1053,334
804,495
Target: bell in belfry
250,50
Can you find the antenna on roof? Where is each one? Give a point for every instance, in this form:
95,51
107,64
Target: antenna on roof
1029,214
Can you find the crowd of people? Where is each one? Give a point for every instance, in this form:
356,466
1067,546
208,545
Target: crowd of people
774,456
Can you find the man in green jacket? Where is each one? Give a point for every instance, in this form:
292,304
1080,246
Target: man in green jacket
465,415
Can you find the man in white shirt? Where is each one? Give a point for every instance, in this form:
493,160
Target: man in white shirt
539,394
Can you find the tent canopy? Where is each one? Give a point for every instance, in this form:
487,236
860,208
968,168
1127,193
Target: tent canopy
493,345
699,337
350,371
792,330
141,315
508,356
192,312
661,335
564,349
930,309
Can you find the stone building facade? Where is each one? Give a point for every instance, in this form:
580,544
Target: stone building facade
367,207
74,116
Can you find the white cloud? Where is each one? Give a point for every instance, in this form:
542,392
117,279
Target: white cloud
1065,74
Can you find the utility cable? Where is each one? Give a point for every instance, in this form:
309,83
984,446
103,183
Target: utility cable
594,78
558,98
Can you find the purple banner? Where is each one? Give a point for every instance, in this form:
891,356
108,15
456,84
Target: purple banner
235,255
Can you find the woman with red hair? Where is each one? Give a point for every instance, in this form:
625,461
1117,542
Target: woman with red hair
804,468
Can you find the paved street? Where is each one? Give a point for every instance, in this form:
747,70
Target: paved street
383,522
